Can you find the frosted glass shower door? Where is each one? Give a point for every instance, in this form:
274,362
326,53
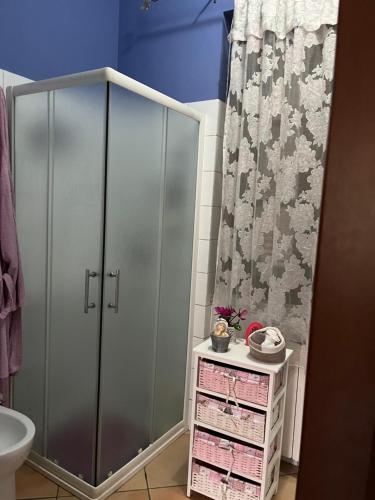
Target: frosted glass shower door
181,157
135,160
31,195
77,160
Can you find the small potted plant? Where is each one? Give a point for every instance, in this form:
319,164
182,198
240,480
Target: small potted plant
233,319
220,337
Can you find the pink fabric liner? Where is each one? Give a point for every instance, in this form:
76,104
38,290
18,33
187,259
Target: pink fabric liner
202,474
246,385
11,280
229,455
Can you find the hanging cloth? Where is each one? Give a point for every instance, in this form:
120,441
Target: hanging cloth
255,17
11,280
275,142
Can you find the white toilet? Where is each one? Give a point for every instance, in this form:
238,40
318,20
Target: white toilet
16,437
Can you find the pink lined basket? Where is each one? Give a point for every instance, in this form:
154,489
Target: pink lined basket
209,482
228,455
242,422
245,385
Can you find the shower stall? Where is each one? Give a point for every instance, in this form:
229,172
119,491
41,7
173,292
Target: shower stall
105,173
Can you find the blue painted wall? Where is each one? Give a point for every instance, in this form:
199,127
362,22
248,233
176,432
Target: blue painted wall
45,38
178,47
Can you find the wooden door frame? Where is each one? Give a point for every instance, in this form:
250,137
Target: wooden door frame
337,453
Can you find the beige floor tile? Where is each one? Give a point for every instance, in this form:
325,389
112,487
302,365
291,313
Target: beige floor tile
137,482
63,493
31,484
173,493
130,495
287,488
170,468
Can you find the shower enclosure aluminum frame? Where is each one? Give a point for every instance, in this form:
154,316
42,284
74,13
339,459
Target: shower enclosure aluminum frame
67,480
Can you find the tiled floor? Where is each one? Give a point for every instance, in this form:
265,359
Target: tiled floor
162,479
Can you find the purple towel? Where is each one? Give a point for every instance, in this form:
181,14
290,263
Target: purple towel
11,281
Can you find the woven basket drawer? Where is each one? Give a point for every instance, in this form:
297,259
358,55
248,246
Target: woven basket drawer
245,385
210,482
242,422
229,455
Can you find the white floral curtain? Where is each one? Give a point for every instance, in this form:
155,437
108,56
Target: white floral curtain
275,140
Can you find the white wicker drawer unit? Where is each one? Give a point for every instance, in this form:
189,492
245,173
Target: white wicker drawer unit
236,424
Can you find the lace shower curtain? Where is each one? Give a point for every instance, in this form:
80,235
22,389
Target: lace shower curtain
275,141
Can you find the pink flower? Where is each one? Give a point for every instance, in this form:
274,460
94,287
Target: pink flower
242,314
224,312
232,316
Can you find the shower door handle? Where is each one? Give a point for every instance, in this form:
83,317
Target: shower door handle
116,274
88,274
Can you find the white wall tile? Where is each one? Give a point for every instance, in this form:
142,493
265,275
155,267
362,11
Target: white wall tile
13,79
213,154
206,260
209,222
202,318
204,290
211,189
196,341
9,79
214,109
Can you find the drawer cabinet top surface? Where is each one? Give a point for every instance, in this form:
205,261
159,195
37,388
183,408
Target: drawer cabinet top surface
239,355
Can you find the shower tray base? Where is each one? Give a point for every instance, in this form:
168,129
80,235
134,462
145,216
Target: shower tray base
86,491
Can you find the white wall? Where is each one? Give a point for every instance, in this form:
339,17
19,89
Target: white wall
7,79
209,217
